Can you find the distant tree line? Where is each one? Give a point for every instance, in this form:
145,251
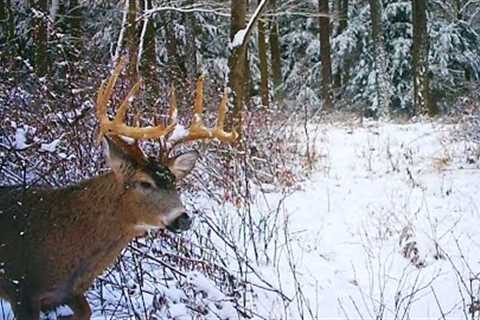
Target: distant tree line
381,57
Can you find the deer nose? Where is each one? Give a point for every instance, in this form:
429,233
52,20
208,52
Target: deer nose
181,223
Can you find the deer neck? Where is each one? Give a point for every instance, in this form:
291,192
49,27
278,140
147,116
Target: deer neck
106,203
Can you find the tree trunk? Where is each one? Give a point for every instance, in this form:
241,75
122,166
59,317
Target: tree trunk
148,61
458,9
175,61
381,73
237,63
343,15
4,7
40,37
76,20
342,71
263,60
132,40
4,28
275,56
7,29
421,88
325,56
191,50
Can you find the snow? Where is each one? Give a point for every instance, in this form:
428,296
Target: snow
50,147
178,311
20,138
386,227
216,299
238,39
178,133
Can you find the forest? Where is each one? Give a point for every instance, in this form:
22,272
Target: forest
350,191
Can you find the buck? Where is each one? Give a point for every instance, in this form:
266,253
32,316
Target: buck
55,242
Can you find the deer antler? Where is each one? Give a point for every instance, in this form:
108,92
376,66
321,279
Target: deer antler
117,126
198,130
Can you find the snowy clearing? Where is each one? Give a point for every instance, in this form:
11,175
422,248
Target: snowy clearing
387,226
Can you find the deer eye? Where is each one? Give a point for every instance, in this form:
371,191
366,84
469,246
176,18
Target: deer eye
146,185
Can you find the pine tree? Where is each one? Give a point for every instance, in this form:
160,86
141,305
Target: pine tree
398,42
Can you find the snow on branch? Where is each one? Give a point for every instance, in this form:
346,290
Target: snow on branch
241,37
118,49
187,9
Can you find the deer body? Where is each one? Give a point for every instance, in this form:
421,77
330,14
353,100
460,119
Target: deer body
55,242
60,240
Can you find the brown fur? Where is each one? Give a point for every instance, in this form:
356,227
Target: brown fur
54,242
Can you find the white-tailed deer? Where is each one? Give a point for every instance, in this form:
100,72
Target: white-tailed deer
55,242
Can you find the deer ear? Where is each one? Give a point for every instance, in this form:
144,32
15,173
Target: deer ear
182,164
117,159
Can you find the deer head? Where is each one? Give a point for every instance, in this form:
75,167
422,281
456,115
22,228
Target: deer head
150,184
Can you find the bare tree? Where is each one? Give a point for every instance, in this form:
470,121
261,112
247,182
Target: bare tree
342,70
238,61
75,17
191,47
175,60
148,57
40,36
7,28
325,55
238,75
420,48
132,39
275,55
263,60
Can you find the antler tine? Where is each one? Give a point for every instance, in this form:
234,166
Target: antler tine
198,106
106,89
172,114
117,126
222,109
218,131
122,110
198,131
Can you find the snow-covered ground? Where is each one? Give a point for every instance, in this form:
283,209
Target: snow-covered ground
386,228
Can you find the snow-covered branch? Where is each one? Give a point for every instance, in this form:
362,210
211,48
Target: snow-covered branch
218,10
241,37
118,49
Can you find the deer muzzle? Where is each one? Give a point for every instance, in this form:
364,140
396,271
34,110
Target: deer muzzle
182,223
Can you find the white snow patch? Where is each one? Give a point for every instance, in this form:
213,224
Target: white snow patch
21,138
178,133
238,39
50,147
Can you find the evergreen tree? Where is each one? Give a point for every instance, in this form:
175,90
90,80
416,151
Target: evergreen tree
398,40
